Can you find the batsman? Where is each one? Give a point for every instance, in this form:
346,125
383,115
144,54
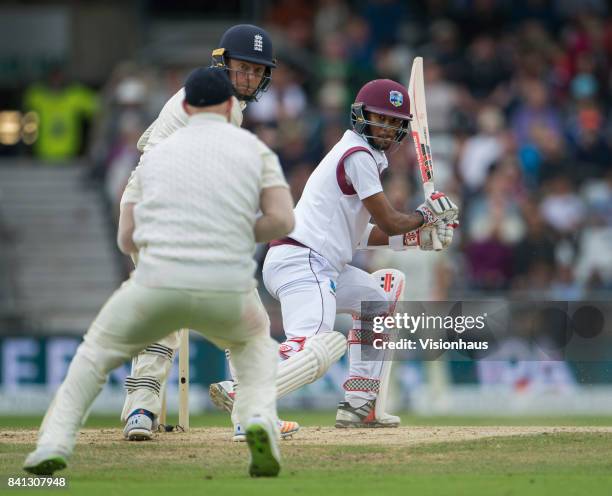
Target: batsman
309,271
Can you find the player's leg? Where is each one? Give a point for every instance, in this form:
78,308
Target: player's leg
245,331
144,386
303,281
223,393
116,335
368,377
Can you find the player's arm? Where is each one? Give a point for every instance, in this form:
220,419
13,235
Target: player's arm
375,238
125,233
275,202
361,172
277,219
389,221
436,211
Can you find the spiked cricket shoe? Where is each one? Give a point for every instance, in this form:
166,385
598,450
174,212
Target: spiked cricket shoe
363,416
262,440
45,461
139,427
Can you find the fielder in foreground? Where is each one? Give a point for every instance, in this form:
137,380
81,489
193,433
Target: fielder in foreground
246,53
195,233
309,271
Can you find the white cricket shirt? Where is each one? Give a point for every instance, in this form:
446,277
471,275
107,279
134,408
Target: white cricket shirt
197,194
330,217
171,118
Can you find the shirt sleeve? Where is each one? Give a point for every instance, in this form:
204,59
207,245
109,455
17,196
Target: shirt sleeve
133,191
144,139
171,118
272,172
362,173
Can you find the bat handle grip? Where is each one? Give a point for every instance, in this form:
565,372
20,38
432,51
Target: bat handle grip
437,244
428,189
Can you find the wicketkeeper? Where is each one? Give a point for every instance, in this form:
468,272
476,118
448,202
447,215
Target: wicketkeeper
195,233
245,52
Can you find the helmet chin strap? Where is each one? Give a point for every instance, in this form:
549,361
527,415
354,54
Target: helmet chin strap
363,126
371,139
220,60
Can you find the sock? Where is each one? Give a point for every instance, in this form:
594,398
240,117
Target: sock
142,411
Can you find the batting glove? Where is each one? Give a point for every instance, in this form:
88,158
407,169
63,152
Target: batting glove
438,207
422,237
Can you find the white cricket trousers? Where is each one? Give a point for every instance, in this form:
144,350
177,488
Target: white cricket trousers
149,376
311,291
136,316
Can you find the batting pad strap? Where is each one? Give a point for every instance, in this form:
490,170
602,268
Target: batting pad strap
160,349
293,345
363,384
146,382
365,336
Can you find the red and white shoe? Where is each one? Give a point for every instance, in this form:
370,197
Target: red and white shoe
363,416
222,395
287,429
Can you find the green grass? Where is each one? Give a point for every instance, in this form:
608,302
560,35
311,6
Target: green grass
326,418
556,464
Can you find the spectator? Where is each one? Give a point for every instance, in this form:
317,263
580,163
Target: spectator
534,110
284,100
534,255
495,225
486,72
442,97
64,110
562,209
123,157
481,151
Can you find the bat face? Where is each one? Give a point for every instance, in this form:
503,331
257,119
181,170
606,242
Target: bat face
420,129
423,152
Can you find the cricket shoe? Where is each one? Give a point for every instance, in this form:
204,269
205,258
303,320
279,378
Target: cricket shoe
363,416
287,429
262,440
139,426
222,395
45,461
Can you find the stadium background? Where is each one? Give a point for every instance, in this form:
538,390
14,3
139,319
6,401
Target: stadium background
518,98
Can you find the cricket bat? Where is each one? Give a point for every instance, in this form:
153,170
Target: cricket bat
420,134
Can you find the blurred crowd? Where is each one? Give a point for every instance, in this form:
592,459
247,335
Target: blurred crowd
518,97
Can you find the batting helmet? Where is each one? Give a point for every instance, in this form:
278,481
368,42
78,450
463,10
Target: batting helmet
385,97
251,44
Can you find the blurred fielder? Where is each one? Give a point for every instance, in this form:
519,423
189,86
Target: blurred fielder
246,53
195,233
309,271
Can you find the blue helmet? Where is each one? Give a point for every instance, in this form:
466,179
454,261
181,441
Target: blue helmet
251,44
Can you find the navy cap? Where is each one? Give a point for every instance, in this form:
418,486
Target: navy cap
208,86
